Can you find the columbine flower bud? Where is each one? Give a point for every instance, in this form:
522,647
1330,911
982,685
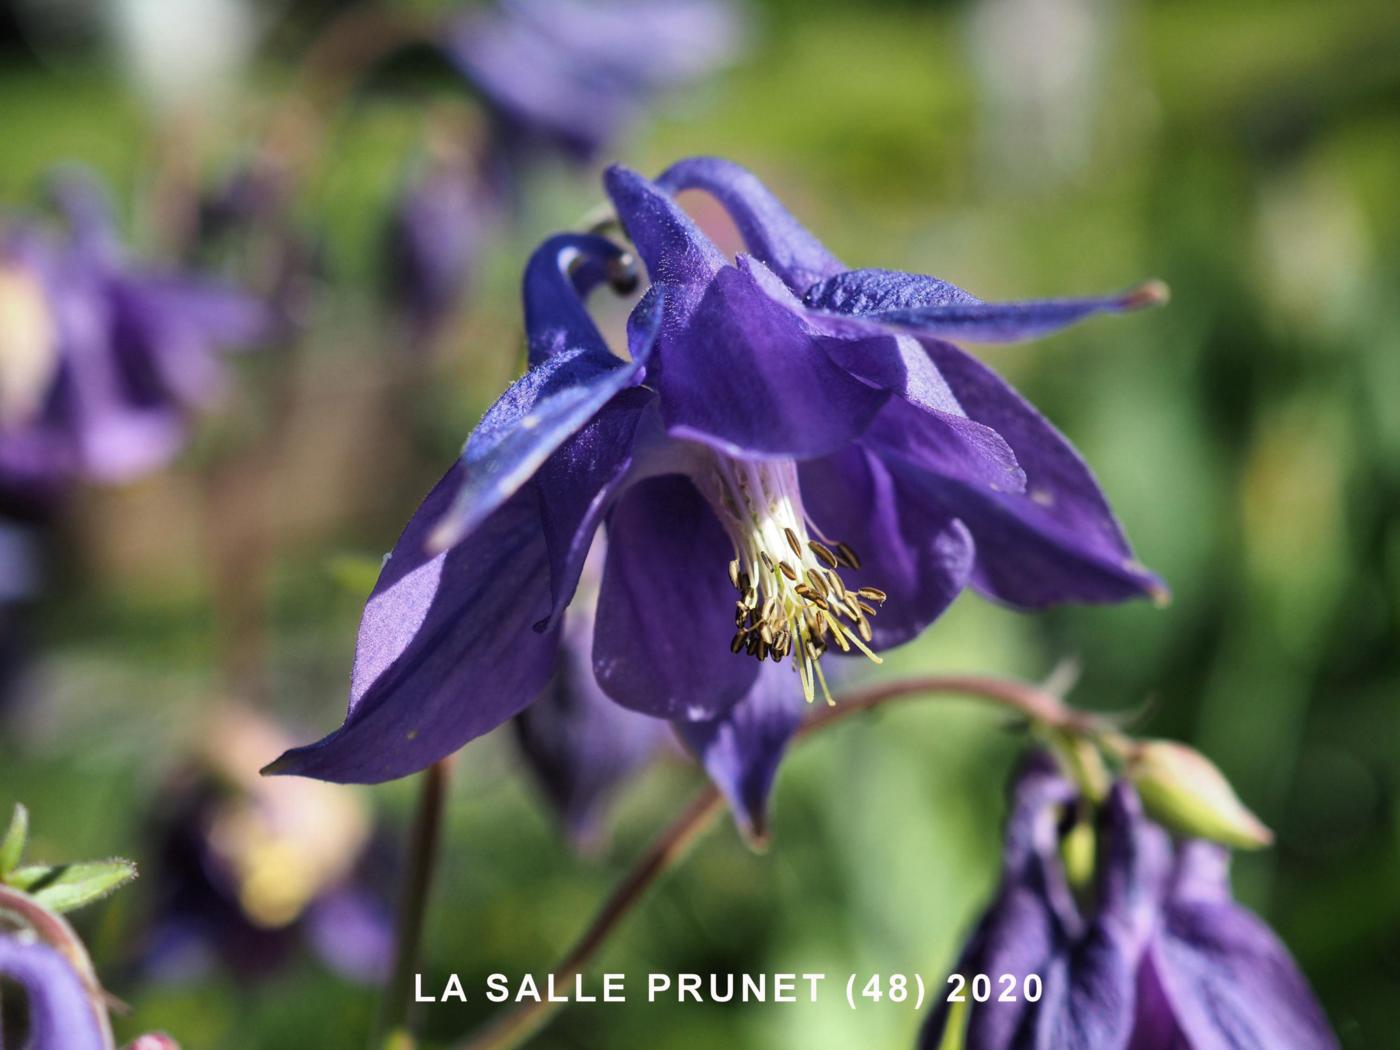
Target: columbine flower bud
1152,952
1182,788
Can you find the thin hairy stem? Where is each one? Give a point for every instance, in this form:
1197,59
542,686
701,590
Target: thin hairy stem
1035,703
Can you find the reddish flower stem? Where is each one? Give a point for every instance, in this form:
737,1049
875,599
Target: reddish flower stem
1033,702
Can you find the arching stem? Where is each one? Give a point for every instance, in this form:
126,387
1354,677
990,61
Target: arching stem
1035,703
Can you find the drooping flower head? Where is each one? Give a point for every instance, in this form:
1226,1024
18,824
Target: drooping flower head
555,79
571,75
789,449
101,361
1156,956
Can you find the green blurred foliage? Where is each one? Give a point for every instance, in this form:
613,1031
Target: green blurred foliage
1248,434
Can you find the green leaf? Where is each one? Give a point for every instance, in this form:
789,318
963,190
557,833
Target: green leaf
64,887
12,845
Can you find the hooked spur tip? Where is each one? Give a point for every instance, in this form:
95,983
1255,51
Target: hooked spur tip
1159,595
1149,293
757,837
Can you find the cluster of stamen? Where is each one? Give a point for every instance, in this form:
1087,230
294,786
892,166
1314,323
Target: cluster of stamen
792,600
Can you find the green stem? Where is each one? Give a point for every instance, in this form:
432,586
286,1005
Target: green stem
1033,702
514,1027
393,1028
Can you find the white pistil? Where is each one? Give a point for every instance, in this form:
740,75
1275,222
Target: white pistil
792,601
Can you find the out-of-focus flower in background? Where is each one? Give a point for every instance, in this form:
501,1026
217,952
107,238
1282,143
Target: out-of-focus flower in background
1154,954
443,215
572,75
557,79
109,356
186,54
250,870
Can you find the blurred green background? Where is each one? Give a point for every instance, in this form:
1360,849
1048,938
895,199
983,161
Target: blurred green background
1249,436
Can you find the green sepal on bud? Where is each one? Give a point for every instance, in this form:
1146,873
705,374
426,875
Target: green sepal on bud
1184,790
1082,762
66,887
58,888
13,843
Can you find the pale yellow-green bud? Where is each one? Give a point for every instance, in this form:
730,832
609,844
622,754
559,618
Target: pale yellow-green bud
1183,789
1083,762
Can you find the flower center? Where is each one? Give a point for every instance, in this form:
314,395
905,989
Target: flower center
792,599
27,351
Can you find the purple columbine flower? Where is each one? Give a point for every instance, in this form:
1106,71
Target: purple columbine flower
100,360
1157,957
571,75
245,877
789,448
435,234
62,1013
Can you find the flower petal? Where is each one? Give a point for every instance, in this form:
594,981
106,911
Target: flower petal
446,650
1028,554
769,230
1227,978
1024,931
669,242
580,745
572,376
919,555
928,306
741,749
890,362
948,445
666,611
748,375
583,477
1057,478
61,1013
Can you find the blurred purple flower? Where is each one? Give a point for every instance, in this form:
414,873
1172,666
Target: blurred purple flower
1161,958
100,360
572,75
61,1012
435,234
246,875
748,429
579,744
